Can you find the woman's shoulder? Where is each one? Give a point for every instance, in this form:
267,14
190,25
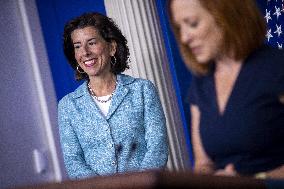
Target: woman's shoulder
268,54
134,81
267,60
79,91
201,82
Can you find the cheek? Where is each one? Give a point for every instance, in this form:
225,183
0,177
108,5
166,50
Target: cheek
216,35
216,42
213,39
208,36
100,50
106,52
77,56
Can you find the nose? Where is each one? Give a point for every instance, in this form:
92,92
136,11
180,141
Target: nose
85,51
186,35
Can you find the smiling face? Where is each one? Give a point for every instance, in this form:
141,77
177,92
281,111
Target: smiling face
92,52
197,29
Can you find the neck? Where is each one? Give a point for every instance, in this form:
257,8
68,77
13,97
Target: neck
102,86
227,64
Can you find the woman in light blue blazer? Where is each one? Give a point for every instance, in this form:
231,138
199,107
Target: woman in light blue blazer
112,123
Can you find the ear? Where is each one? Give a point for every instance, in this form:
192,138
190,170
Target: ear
113,46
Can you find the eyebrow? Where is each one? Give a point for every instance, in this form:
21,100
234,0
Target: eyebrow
190,18
87,40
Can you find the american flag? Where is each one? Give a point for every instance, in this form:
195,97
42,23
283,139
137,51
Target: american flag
274,16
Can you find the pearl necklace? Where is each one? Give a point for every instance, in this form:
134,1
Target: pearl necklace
97,98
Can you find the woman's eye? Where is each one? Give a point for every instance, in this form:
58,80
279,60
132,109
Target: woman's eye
194,24
92,43
76,46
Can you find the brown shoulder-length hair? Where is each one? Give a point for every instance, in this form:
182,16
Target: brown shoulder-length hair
243,28
109,32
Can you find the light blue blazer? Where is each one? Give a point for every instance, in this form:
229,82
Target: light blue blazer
132,137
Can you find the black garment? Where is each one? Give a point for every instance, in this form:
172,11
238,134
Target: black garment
250,133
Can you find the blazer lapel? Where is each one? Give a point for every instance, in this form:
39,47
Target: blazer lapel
117,99
120,93
87,106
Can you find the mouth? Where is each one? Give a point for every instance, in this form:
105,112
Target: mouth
195,50
90,62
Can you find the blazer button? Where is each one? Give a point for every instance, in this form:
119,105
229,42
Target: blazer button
113,162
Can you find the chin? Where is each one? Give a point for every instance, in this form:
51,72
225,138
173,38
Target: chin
202,60
92,73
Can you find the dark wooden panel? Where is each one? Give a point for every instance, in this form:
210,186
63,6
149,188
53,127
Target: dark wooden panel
155,179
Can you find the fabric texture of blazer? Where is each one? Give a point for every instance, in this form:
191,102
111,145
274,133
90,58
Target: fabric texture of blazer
132,137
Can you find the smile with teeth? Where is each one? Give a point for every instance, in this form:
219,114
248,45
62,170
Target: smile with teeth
89,63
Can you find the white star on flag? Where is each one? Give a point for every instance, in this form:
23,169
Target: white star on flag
269,35
277,12
267,16
278,30
273,12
